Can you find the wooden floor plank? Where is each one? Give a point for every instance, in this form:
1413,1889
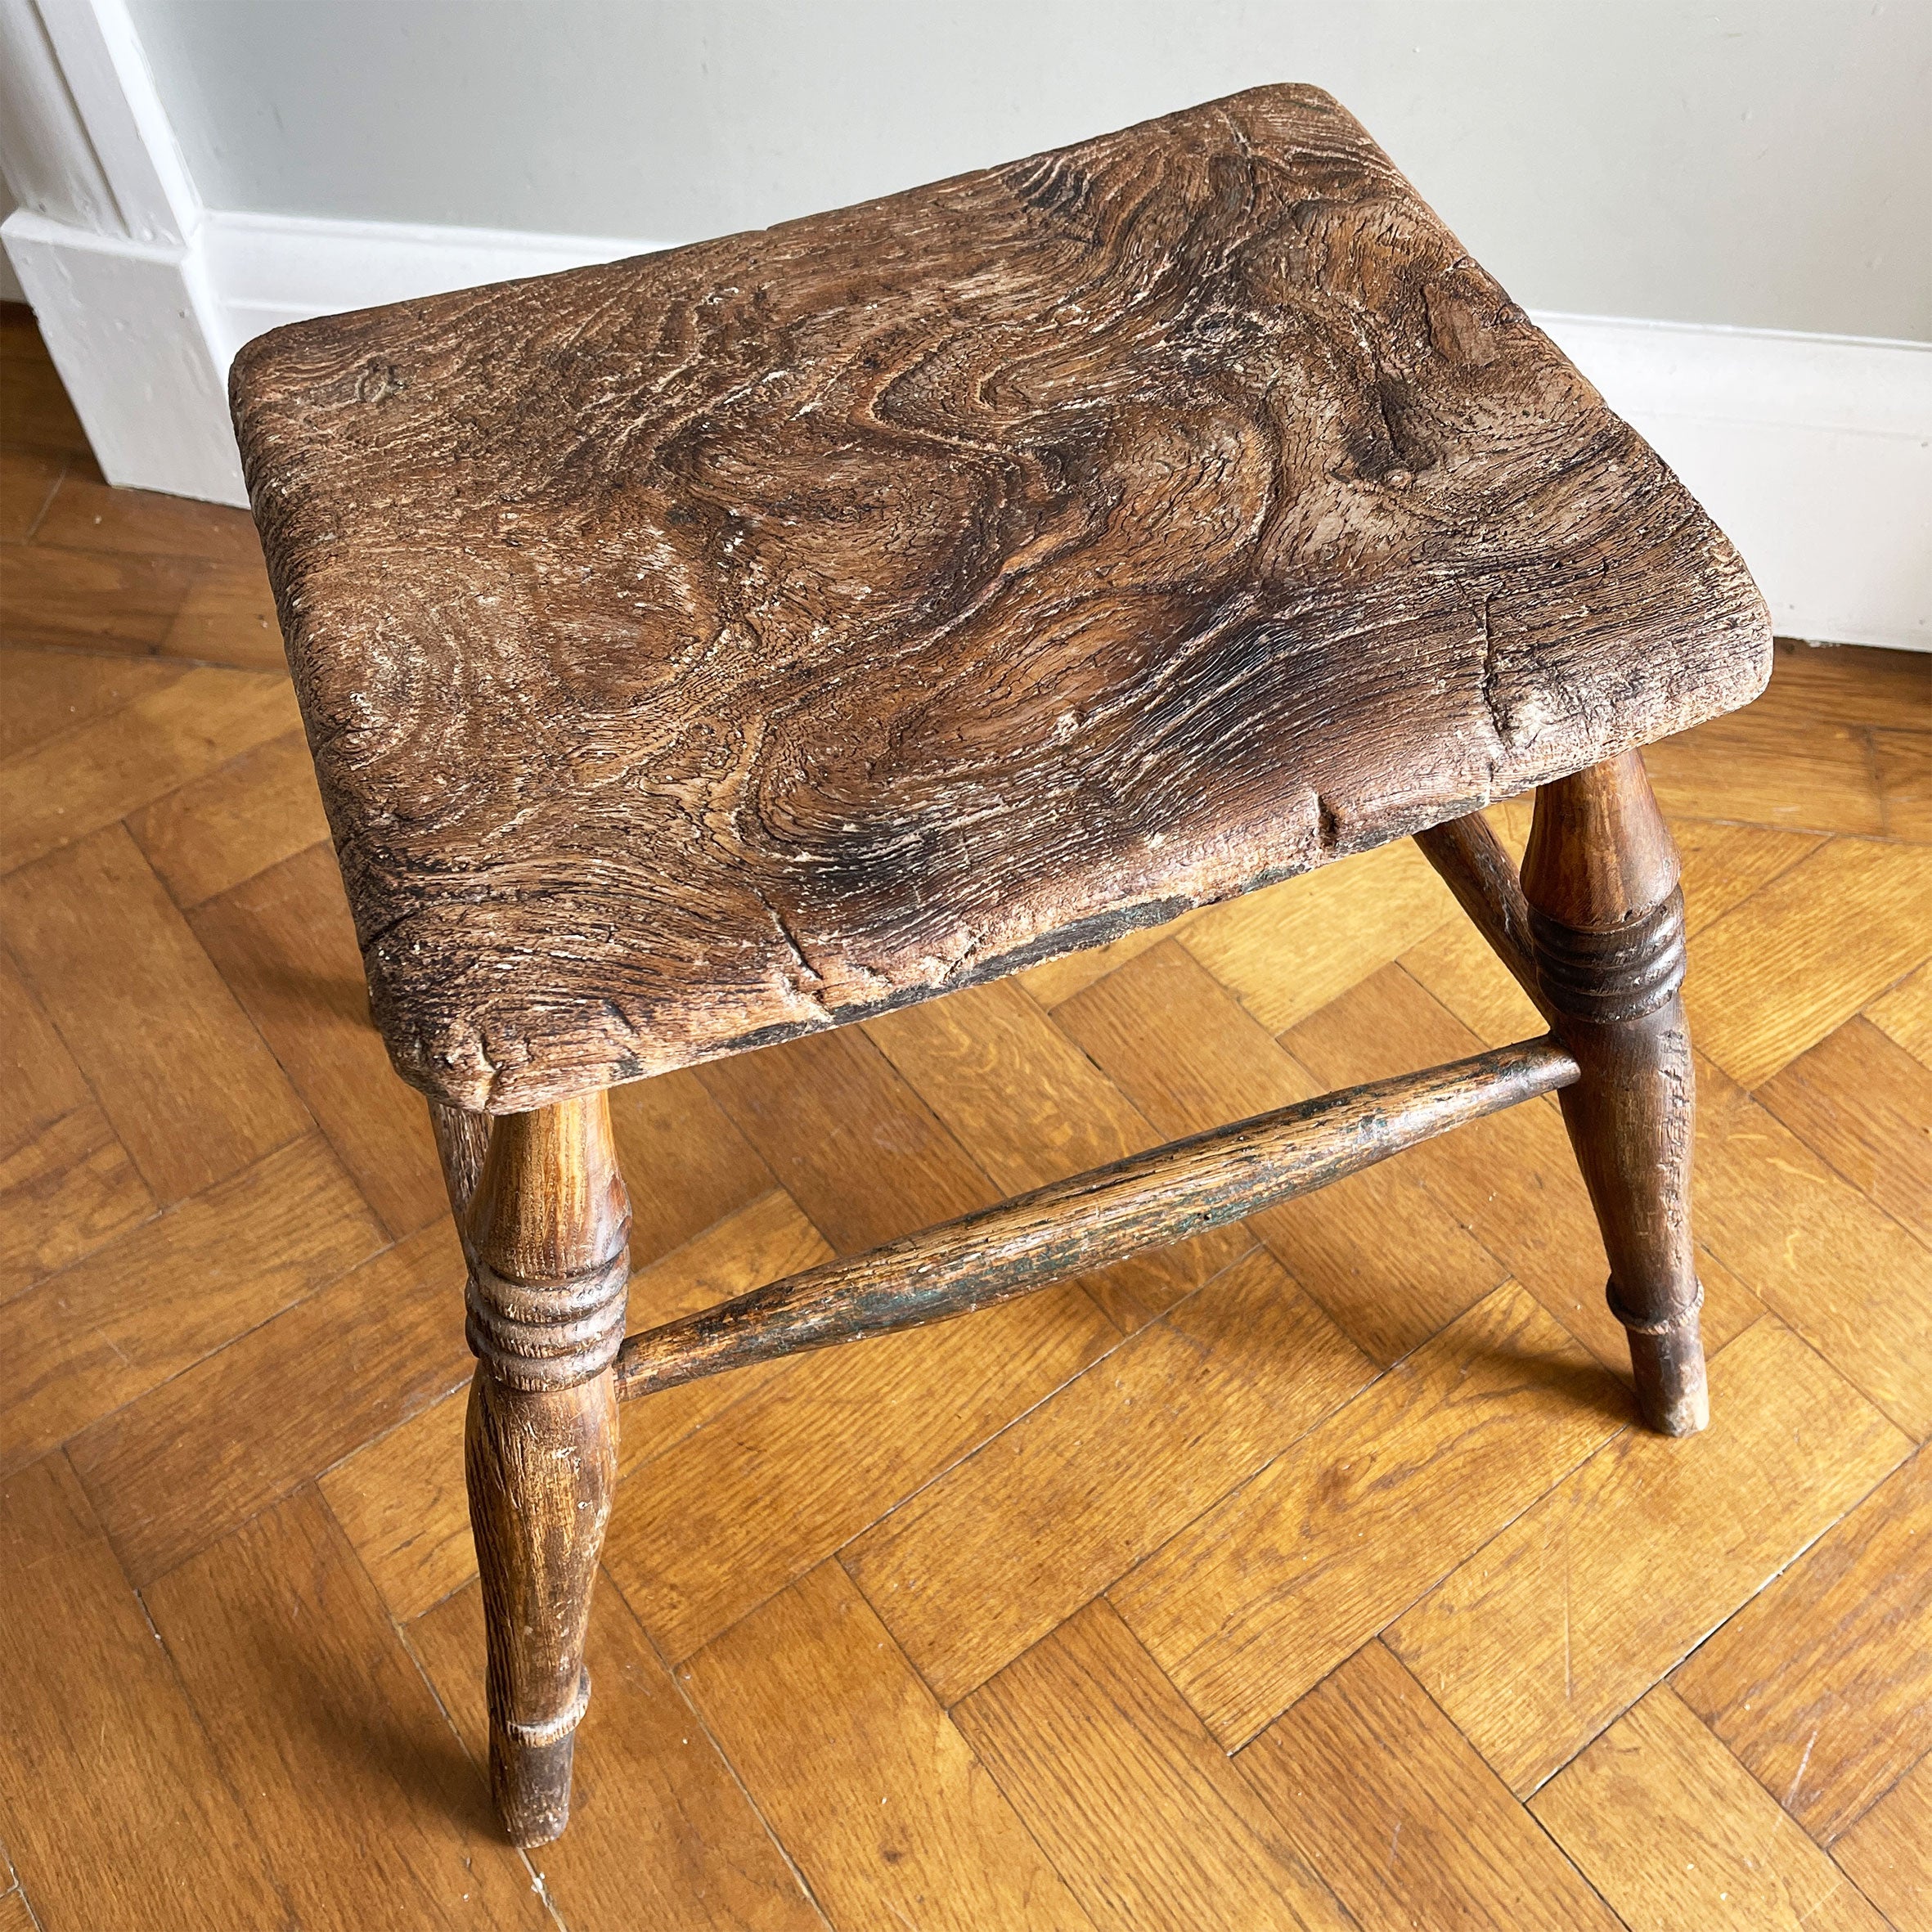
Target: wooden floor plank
283,943
1821,1685
49,693
1027,1106
180,1467
193,1094
229,617
1774,770
54,793
1904,1013
1861,1101
27,480
1149,1823
1055,981
112,1809
94,599
815,1454
1257,1600
1775,975
87,513
1841,684
15,1914
685,1164
847,1138
148,1306
1905,781
32,404
216,831
1888,1854
661,1831
879,1799
985,1561
1388,1801
1388,1295
305,1689
1673,1832
1541,1637
1724,864
1851,1280
1286,951
67,1186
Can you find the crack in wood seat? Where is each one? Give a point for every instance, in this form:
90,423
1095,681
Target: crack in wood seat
731,642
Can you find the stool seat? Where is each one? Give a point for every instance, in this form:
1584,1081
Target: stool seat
715,646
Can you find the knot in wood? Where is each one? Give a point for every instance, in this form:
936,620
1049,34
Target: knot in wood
547,1335
1608,977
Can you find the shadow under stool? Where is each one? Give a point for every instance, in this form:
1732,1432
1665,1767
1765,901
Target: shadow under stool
706,648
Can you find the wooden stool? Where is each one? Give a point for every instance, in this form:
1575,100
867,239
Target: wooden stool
708,649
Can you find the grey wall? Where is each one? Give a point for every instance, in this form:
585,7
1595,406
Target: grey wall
1760,162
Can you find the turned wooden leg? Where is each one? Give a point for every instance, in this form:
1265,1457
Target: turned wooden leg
545,1234
1607,928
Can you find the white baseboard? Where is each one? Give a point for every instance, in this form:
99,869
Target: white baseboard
132,326
1813,453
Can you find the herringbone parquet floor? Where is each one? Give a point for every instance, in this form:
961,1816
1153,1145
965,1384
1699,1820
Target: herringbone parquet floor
1310,1573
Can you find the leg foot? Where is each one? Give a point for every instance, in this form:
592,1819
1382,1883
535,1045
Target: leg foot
1607,924
546,1314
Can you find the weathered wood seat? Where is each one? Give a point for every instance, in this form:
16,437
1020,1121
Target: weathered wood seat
727,642
716,646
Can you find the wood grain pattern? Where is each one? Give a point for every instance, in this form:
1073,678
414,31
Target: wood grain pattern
800,1464
990,1557
216,831
111,1805
285,1648
27,481
283,943
291,1397
124,1319
1607,924
66,1184
1905,1013
1088,1741
1260,1597
878,1797
1862,1101
1774,977
51,692
1821,1685
1889,1852
1288,951
545,1235
1673,1832
1834,1266
52,794
871,604
848,1139
1376,1787
401,1499
193,1101
1541,1637
1512,1180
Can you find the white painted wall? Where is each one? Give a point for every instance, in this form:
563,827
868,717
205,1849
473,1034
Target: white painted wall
1717,208
1759,162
